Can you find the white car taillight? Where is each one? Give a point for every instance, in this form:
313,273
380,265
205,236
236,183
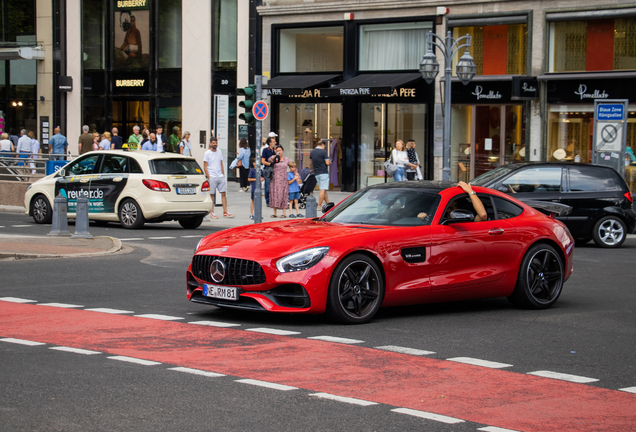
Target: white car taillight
205,187
156,185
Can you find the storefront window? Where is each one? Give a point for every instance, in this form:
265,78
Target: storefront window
225,34
18,21
497,49
594,45
381,125
170,118
303,125
485,137
317,49
93,34
169,55
399,46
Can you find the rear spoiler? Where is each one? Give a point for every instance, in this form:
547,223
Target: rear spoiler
551,209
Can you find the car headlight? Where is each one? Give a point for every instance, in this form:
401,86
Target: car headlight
198,244
301,260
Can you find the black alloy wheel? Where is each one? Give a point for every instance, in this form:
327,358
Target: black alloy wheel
41,210
609,232
191,223
130,214
540,278
356,290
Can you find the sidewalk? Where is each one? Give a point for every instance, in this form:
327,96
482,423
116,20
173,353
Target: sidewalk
13,247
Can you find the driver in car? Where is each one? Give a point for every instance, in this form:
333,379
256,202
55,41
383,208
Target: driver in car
477,204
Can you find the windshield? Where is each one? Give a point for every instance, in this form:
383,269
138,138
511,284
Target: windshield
486,178
388,207
175,166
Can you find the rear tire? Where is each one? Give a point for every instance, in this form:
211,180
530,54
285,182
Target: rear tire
609,232
130,214
191,223
41,210
540,278
356,290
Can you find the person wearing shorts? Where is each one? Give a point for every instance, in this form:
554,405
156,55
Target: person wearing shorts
215,172
319,163
294,189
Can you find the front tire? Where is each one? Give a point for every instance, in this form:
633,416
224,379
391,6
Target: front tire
130,215
609,232
356,290
41,210
191,223
540,278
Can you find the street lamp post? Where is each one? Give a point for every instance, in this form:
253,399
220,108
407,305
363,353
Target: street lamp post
465,72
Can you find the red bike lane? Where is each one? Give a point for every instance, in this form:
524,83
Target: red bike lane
472,393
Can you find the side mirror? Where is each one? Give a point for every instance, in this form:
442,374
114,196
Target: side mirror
327,207
458,216
503,189
61,173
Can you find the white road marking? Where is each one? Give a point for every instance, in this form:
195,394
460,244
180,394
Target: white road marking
343,399
135,360
214,324
267,384
110,311
22,342
336,339
192,236
629,389
196,372
161,238
21,226
428,415
17,300
1,226
496,429
132,239
564,377
273,331
159,317
74,350
404,350
478,362
60,305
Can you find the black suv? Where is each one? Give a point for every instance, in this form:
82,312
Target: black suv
602,204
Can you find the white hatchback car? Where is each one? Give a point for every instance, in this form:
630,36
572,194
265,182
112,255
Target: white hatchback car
127,187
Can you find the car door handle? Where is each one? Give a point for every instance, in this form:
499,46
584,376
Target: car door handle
556,200
496,231
118,179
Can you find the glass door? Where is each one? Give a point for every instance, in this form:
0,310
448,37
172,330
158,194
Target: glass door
127,114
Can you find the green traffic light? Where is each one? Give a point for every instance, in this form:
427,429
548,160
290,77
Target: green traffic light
250,99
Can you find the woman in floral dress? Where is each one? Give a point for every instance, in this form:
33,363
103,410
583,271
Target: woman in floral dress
279,188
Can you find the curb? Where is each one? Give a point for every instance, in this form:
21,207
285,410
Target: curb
12,256
12,209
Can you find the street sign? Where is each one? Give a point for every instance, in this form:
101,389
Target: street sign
610,120
609,136
260,110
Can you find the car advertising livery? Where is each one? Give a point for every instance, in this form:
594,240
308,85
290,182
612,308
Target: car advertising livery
102,191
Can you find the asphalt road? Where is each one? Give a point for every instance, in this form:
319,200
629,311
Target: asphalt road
590,333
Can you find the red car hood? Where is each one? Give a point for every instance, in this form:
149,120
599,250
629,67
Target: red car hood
277,239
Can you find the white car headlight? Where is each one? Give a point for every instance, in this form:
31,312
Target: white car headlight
301,260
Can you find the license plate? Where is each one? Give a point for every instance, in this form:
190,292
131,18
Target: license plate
220,292
186,191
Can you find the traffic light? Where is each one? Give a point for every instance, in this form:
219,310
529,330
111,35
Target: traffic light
250,99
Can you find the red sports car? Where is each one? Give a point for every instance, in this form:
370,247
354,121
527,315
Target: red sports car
387,245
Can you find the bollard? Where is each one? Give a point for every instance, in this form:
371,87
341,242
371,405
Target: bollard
81,219
311,207
59,225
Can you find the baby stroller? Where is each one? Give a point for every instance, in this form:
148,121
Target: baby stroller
308,186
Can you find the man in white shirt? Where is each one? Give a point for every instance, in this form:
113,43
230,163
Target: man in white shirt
24,146
161,139
215,172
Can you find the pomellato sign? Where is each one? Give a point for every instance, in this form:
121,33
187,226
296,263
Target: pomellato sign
587,90
479,93
596,94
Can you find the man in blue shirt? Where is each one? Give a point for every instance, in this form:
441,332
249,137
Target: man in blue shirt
58,145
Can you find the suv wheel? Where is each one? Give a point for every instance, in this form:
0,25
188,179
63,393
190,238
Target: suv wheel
130,215
191,223
41,210
609,232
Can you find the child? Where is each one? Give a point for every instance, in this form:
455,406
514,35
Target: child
294,189
251,177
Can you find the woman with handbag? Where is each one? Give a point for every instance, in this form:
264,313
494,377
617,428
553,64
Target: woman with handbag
185,147
401,159
243,163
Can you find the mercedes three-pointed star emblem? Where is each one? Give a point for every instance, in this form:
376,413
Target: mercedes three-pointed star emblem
217,271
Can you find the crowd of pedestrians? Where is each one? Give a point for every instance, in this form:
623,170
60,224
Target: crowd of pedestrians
146,139
24,147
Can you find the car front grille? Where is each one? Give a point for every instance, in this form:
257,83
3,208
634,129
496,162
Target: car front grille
237,271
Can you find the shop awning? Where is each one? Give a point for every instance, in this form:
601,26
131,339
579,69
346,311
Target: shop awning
296,85
372,84
587,75
24,53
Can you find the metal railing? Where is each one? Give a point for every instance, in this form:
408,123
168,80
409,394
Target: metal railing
24,167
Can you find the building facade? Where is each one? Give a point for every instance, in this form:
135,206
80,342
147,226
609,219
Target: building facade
540,66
